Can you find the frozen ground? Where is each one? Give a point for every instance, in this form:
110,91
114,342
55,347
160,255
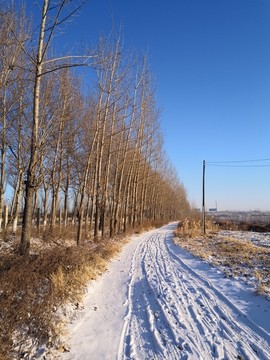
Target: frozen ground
258,239
156,301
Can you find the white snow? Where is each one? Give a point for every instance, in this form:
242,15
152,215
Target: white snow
156,301
258,239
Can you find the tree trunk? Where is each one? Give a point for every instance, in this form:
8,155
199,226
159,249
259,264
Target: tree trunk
31,176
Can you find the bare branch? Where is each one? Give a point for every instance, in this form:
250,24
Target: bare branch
63,66
13,153
57,23
70,57
21,46
68,16
52,28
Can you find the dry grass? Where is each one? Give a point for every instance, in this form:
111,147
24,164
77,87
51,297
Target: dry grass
35,287
235,257
193,227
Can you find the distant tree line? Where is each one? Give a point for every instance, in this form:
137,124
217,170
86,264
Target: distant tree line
96,154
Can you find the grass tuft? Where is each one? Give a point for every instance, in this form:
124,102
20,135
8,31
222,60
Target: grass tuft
190,228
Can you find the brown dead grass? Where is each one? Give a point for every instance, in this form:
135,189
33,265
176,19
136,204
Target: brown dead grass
193,227
236,257
33,288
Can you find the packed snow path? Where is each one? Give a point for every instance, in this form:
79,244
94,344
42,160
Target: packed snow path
170,311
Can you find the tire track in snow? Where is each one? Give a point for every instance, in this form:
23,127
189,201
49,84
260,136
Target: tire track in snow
173,313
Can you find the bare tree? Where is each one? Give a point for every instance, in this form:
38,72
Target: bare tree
107,78
88,143
51,18
99,154
18,147
10,52
70,99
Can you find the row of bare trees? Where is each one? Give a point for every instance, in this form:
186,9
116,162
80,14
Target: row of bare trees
88,142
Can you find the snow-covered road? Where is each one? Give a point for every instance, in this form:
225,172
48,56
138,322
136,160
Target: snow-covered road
158,302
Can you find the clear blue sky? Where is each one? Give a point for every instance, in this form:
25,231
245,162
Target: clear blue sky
211,61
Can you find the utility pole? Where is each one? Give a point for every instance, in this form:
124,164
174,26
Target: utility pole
203,199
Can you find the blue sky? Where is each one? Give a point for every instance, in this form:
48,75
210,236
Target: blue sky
211,62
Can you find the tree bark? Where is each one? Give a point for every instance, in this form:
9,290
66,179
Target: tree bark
31,172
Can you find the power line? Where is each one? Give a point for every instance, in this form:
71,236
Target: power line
232,162
237,166
235,161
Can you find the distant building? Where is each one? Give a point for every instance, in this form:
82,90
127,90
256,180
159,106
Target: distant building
213,210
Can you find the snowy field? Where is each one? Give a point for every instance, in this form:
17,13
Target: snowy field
156,301
258,239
